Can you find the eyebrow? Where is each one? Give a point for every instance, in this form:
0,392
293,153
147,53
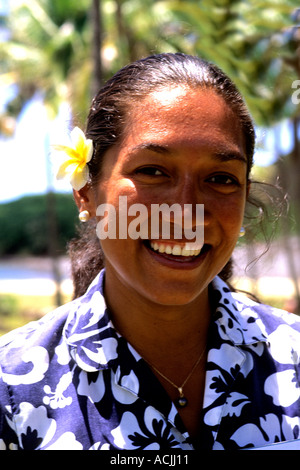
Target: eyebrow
222,156
231,155
152,147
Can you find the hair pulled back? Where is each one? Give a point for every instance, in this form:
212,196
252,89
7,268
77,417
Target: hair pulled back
106,126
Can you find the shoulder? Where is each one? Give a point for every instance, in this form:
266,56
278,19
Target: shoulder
271,317
248,309
37,337
280,328
247,321
40,338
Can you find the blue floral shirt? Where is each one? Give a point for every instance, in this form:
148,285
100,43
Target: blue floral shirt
70,381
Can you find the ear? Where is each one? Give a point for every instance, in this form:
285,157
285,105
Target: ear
84,199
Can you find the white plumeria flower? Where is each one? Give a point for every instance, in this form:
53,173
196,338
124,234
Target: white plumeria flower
73,160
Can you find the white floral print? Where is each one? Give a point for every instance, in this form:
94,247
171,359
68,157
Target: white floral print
34,426
156,436
57,399
70,381
267,431
283,388
39,359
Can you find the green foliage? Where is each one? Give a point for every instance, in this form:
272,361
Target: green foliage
25,224
8,305
49,40
251,40
17,310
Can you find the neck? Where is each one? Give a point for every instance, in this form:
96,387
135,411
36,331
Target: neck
160,333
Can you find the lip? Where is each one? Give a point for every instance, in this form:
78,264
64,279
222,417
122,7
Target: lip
178,262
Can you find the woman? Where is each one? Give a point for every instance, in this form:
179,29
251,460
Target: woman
156,351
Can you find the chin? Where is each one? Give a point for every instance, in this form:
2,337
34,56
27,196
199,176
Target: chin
174,295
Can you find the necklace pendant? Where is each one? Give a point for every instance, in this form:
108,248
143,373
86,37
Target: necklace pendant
181,402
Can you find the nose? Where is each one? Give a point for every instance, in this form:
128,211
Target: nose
186,191
190,195
188,220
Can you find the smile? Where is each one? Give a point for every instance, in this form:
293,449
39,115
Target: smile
175,250
175,255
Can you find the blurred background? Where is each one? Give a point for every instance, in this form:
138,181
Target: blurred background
54,56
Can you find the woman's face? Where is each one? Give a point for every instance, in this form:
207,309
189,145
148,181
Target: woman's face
181,146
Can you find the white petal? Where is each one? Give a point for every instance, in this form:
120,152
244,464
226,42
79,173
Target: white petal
76,136
90,149
79,178
283,388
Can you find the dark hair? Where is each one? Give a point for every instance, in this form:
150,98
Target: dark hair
106,125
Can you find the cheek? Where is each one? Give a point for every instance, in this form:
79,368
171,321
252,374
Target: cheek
230,213
120,218
109,191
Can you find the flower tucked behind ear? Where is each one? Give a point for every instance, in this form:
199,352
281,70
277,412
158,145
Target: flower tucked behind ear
73,164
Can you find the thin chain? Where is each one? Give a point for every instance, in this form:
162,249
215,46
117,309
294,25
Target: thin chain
180,389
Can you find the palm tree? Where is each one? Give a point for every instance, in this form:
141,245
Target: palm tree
247,39
54,39
47,46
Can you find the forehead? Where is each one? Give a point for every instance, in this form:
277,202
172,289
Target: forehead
184,116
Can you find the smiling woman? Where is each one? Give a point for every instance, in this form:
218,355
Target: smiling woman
156,351
110,118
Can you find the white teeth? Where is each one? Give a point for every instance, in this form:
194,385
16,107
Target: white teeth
161,248
168,250
176,250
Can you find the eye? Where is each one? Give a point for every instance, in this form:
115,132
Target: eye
149,171
223,179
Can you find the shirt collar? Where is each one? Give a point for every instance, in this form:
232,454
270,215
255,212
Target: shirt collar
237,316
89,333
93,340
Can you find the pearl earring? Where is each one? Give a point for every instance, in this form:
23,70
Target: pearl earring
84,216
242,232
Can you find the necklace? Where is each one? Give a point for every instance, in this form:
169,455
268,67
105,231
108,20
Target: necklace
181,401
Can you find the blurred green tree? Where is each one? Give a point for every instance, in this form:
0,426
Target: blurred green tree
50,47
24,225
47,46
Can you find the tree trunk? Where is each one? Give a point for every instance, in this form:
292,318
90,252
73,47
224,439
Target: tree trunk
52,235
52,244
96,22
124,33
